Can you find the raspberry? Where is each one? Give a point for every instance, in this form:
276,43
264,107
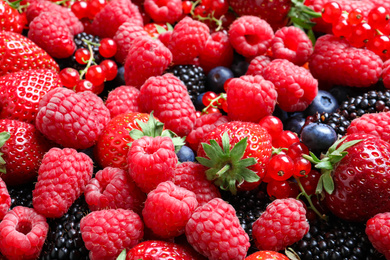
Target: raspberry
295,85
282,224
335,62
377,124
124,36
292,44
215,231
72,119
112,188
123,99
386,74
22,233
164,11
107,232
191,175
165,37
167,96
52,35
5,199
168,209
250,36
146,58
151,160
188,40
257,65
377,230
62,178
250,98
114,14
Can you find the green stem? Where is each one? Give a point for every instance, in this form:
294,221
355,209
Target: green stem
90,60
221,96
223,170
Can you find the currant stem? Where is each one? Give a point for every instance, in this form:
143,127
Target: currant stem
221,96
90,60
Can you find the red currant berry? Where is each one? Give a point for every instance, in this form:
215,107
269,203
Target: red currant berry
280,167
218,7
310,181
69,77
82,56
282,189
201,11
341,28
107,47
331,12
110,69
95,75
297,149
211,110
186,6
302,167
208,97
94,7
273,125
286,139
378,17
355,17
380,45
361,34
84,85
225,106
80,9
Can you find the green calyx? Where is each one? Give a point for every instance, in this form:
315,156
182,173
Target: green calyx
122,255
155,128
226,167
4,136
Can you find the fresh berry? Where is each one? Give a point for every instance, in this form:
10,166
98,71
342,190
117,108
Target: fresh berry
285,139
280,167
324,102
217,77
164,11
5,199
107,232
21,195
376,230
61,182
257,65
185,154
123,99
318,137
10,19
273,125
374,124
267,255
202,232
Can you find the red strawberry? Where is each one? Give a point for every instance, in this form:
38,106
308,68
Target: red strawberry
20,53
10,19
21,92
22,148
239,152
267,255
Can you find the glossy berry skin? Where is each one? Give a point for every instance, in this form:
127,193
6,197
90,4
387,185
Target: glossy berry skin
376,230
266,255
324,102
10,19
273,125
69,77
217,77
318,137
280,167
331,12
185,154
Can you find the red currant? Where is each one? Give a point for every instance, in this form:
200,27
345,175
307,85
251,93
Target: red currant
219,7
110,69
95,75
82,56
297,149
286,139
280,167
355,17
187,7
282,189
107,47
310,181
273,125
341,28
208,97
380,45
86,85
331,12
361,34
211,110
302,167
69,77
378,17
80,9
94,7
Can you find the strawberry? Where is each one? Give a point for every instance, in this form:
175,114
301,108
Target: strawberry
20,53
237,154
267,255
10,19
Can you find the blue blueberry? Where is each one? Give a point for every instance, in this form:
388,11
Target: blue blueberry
280,113
323,102
216,78
185,154
239,66
318,137
198,103
294,123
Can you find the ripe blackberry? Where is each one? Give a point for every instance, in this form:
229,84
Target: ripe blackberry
369,102
64,239
336,240
193,77
21,196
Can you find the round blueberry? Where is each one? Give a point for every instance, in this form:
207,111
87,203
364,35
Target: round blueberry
239,66
294,123
279,113
216,78
318,137
185,154
198,103
323,102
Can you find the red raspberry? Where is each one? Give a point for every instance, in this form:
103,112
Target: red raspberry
112,188
292,44
72,119
282,224
22,233
335,62
146,58
167,96
295,85
107,232
164,11
168,209
64,14
257,65
114,14
151,160
216,52
124,36
250,35
214,230
123,99
165,37
386,74
204,124
377,230
191,175
377,124
250,98
52,35
188,40
5,199
62,178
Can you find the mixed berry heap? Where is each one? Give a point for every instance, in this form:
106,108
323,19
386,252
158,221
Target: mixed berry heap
209,129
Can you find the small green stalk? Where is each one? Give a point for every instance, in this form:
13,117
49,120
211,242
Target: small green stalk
215,100
4,136
91,59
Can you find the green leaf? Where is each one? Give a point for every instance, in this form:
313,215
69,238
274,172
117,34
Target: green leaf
333,147
160,29
298,22
170,27
206,162
239,149
347,145
210,151
232,187
225,142
249,176
211,174
136,134
328,183
4,136
324,165
122,255
247,162
320,185
312,157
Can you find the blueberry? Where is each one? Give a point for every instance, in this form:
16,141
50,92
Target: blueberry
279,113
294,123
198,103
323,102
318,137
185,154
216,78
239,66
341,93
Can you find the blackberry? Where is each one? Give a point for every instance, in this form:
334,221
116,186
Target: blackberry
369,102
337,240
193,77
21,196
64,239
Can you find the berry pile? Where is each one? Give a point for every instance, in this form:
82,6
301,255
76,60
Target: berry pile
209,129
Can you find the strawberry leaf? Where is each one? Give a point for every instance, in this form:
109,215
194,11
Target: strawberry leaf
4,136
320,185
328,183
122,255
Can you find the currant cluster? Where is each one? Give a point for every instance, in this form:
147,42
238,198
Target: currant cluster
86,11
93,76
371,32
214,102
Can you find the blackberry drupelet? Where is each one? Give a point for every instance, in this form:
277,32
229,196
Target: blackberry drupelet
21,196
64,241
336,240
369,102
193,77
